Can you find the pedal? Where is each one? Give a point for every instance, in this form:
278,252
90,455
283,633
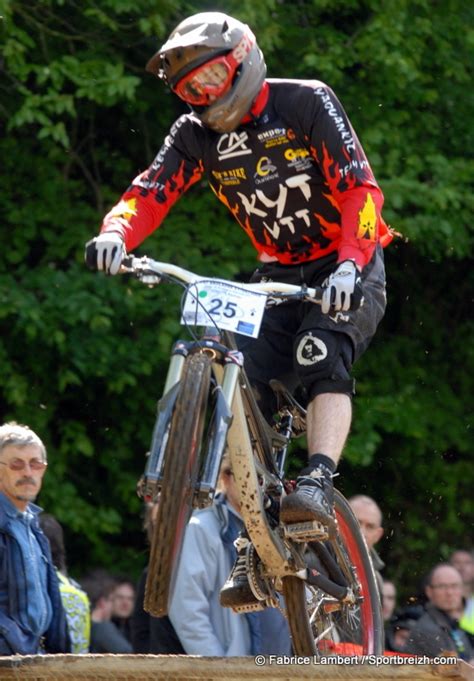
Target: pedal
311,530
248,607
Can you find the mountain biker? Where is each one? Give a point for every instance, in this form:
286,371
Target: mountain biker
282,156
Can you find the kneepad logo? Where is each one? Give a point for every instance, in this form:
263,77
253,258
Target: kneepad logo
310,350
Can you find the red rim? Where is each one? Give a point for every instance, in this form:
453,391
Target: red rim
368,632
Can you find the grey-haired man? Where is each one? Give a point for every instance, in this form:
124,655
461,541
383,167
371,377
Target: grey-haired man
32,618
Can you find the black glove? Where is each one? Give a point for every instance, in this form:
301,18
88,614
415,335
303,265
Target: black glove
105,252
343,289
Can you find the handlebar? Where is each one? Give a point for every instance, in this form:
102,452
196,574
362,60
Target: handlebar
151,272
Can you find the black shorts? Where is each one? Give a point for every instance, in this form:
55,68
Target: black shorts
271,355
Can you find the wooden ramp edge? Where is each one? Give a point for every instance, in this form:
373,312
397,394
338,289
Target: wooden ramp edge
193,668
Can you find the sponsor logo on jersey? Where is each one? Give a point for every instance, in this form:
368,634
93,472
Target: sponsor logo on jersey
230,177
232,145
367,219
273,137
124,209
299,159
342,126
272,208
265,170
353,166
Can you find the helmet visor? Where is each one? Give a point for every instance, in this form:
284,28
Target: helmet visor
208,82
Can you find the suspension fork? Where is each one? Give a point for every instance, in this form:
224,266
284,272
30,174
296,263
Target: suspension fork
227,378
226,382
147,487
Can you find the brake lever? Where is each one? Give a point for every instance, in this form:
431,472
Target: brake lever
140,271
318,296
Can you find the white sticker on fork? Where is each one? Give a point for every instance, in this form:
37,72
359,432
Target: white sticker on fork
226,306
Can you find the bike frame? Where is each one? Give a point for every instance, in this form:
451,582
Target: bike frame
231,427
230,418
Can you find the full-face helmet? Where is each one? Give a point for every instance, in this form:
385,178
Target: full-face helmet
212,62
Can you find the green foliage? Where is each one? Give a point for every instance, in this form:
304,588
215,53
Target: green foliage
83,357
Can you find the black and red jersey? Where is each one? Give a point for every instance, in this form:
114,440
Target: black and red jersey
296,179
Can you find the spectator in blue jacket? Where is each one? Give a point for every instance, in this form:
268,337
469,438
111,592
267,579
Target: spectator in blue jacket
205,627
32,618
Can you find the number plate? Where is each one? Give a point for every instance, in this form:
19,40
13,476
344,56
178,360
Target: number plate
227,306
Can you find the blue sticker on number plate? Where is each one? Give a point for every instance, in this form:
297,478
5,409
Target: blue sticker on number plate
244,327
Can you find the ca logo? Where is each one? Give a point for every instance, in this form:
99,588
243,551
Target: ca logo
233,145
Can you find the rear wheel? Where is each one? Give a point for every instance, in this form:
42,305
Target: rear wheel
322,625
178,484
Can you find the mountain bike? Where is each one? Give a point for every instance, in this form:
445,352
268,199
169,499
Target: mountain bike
328,586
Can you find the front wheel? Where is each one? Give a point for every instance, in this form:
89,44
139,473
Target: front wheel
180,472
321,625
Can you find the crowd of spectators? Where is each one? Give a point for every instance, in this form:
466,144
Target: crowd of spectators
44,610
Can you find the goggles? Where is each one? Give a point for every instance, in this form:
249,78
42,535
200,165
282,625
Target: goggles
208,82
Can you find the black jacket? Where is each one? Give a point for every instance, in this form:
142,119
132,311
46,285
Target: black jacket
435,633
154,635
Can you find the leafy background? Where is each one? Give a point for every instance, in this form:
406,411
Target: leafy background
83,357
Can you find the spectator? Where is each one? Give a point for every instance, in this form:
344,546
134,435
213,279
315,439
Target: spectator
369,515
123,601
75,601
32,618
437,632
203,625
105,636
463,561
389,599
155,635
397,632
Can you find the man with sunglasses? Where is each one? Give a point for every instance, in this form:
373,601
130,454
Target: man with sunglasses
282,156
32,619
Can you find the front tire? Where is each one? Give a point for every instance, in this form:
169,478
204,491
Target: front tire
180,472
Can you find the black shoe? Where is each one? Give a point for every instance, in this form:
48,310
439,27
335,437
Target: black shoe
312,500
236,592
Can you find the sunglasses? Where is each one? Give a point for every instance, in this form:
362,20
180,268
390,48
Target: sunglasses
20,464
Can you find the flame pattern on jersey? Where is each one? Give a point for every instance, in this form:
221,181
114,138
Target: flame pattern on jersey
297,181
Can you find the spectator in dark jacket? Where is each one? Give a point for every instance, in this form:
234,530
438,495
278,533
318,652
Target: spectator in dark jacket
437,632
155,635
105,635
32,618
123,602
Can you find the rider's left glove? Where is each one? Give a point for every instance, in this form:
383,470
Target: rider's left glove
343,289
105,252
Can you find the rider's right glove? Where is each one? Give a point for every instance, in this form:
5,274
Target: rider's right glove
105,253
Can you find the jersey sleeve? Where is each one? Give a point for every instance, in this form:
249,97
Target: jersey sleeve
346,170
145,204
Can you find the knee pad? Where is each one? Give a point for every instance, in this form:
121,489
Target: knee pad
323,360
